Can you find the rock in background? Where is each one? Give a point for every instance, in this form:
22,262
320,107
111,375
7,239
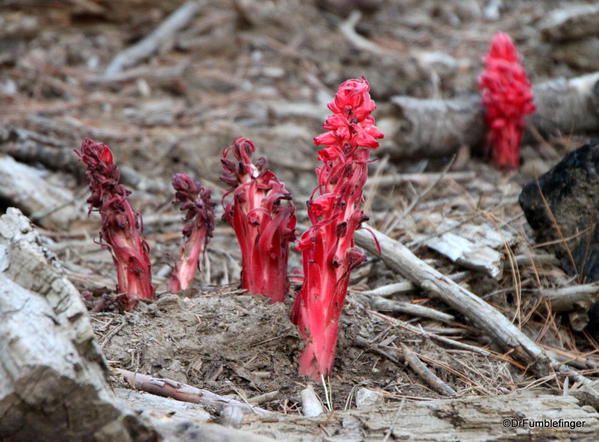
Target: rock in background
562,208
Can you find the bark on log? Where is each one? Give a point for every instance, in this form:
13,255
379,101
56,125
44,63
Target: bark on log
428,128
52,384
473,418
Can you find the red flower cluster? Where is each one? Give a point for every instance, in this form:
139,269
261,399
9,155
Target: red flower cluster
507,98
327,247
199,223
122,229
263,223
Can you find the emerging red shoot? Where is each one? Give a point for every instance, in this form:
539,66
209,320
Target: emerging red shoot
263,217
327,247
199,221
122,228
507,98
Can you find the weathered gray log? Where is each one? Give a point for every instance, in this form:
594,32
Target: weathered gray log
182,421
472,418
571,22
581,54
430,128
23,186
566,299
52,374
31,147
423,128
502,331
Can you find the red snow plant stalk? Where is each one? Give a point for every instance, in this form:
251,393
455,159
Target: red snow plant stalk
507,98
263,217
335,211
199,221
122,229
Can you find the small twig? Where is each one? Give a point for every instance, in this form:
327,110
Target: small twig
348,29
406,286
265,397
184,392
482,314
113,332
145,72
156,40
420,178
567,298
395,419
425,373
386,305
396,357
373,189
327,393
428,188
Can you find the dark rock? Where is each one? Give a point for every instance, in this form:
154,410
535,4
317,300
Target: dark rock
562,206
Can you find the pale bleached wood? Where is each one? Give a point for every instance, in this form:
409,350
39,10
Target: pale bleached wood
471,418
23,186
566,299
570,22
182,421
157,40
52,373
505,334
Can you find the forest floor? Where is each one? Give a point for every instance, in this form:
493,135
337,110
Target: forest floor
265,71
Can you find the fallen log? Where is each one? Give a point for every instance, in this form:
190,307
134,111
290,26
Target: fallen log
52,373
182,421
509,417
432,128
32,147
21,185
571,22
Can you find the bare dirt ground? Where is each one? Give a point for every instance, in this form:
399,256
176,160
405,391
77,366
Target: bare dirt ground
265,70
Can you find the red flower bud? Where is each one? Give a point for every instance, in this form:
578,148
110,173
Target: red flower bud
327,247
199,220
263,217
122,228
507,98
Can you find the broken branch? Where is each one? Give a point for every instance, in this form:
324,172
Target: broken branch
157,40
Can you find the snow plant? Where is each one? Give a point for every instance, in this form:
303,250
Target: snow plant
507,98
335,212
262,214
122,227
199,221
